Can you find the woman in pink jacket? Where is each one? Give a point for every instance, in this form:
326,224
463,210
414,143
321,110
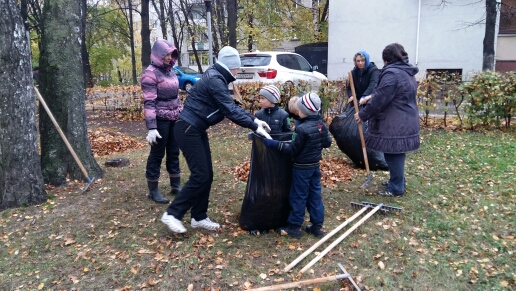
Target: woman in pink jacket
161,108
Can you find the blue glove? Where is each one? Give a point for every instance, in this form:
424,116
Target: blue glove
271,143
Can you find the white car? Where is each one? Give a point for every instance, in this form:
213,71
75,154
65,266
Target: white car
273,67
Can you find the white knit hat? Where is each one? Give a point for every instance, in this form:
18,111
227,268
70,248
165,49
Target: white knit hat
229,56
271,92
309,104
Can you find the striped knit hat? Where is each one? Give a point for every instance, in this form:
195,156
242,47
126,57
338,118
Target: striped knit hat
309,104
271,92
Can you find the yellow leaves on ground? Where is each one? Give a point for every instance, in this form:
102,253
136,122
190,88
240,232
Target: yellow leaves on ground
105,142
334,170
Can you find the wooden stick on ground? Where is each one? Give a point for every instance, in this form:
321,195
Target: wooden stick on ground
325,238
302,283
337,241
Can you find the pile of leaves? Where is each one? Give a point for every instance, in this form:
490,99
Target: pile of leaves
334,171
104,142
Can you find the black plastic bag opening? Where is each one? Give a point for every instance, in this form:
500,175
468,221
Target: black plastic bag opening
345,132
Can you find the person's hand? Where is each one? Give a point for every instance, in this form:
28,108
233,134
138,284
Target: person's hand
357,118
263,124
271,143
350,99
364,100
262,132
152,136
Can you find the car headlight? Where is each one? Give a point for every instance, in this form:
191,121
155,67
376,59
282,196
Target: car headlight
197,79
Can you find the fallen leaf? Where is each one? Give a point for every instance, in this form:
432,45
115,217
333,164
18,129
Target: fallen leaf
381,265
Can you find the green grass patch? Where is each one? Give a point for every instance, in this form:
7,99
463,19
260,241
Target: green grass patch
456,230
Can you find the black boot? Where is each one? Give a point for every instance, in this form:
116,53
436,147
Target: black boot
291,230
154,193
315,230
175,184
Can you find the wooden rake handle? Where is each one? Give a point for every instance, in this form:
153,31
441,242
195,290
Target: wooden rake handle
342,237
325,238
63,136
355,103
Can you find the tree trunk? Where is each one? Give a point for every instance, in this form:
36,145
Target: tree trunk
21,180
86,68
145,34
131,40
62,86
250,36
489,37
232,22
175,37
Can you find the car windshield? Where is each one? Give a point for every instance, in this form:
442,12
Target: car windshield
255,60
187,70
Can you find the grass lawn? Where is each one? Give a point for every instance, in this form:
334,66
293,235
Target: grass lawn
456,230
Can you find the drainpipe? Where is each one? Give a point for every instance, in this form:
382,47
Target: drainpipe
417,34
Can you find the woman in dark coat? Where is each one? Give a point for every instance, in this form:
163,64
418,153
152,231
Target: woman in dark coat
393,115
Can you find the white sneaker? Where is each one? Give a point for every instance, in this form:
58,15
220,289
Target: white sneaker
205,223
173,224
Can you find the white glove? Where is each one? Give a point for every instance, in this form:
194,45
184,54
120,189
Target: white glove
262,131
152,135
263,124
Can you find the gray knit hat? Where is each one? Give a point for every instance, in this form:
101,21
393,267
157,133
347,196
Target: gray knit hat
271,92
229,56
309,104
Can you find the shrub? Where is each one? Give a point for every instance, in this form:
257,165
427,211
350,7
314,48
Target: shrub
492,97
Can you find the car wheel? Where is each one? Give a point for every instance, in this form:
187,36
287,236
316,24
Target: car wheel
188,86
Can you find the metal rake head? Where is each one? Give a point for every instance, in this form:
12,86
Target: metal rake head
384,208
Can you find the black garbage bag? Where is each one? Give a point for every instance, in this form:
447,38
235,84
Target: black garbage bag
266,204
345,132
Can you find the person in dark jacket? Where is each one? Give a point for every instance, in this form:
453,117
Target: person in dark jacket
310,137
207,103
161,107
393,116
365,77
276,118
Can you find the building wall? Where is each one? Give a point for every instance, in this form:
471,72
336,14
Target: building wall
445,41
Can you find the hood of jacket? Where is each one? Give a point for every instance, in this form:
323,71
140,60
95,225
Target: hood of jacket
366,55
160,49
404,66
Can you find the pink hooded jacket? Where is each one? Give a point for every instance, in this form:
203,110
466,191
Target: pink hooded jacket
160,86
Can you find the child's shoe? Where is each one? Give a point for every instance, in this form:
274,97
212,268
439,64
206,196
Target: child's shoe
292,231
315,230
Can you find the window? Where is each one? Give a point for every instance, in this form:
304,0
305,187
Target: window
255,60
508,17
303,64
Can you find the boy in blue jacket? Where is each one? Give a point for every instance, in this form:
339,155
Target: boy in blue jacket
308,140
276,118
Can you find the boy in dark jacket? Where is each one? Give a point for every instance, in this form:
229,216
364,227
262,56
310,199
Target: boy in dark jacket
276,118
308,140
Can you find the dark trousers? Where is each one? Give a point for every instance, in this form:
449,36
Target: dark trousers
396,163
196,192
305,192
166,144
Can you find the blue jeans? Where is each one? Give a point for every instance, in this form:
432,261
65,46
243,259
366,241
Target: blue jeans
305,192
195,193
396,163
166,144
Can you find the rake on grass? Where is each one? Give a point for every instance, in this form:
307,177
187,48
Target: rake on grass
344,275
364,206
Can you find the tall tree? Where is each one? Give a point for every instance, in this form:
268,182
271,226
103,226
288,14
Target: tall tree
86,67
489,36
21,180
232,22
145,34
62,85
127,6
